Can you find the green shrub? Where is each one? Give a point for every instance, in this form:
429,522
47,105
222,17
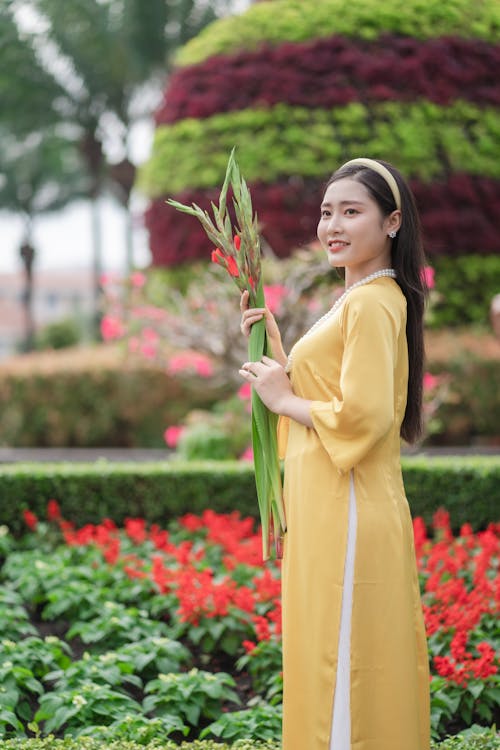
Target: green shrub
85,399
465,286
468,487
59,335
470,411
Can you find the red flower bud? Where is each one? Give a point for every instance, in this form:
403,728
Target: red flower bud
218,257
232,266
237,242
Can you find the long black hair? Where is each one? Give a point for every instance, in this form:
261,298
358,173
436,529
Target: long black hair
408,260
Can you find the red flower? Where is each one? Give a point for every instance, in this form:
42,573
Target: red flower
218,257
53,511
30,519
237,242
232,267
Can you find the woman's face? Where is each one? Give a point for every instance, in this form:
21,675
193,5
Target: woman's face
353,231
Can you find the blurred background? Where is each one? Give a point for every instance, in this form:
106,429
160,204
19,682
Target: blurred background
116,331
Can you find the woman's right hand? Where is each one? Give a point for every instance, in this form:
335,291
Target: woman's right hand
252,315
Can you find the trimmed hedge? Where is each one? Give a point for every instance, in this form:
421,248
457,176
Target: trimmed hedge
285,20
468,487
93,398
483,740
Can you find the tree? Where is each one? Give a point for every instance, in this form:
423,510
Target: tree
115,54
39,173
96,66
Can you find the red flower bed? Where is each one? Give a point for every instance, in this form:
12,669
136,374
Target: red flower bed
460,581
205,578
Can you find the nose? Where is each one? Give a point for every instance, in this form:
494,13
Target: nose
333,225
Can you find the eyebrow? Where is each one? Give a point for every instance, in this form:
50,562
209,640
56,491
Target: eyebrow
343,203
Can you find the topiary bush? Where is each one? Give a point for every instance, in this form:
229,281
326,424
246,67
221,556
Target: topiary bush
299,93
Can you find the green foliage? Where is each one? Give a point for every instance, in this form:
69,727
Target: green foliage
263,664
59,335
448,700
90,703
270,142
484,740
471,408
104,743
285,20
261,722
195,694
27,92
466,284
160,492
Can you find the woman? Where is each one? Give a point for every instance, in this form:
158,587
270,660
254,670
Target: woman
354,648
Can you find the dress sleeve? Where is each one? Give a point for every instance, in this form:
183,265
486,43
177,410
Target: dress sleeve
351,424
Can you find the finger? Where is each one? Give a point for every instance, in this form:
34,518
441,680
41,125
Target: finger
267,360
247,374
244,300
260,311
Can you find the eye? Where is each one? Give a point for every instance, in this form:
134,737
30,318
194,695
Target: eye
351,211
325,212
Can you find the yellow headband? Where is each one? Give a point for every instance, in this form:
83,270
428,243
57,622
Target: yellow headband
383,172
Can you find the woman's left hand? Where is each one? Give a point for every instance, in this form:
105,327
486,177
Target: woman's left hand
270,381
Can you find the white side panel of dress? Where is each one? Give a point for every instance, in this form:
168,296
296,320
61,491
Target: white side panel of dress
340,738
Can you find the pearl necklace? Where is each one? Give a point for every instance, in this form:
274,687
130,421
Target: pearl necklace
331,312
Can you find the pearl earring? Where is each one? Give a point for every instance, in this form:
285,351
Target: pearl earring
392,234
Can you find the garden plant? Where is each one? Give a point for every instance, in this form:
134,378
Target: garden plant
145,634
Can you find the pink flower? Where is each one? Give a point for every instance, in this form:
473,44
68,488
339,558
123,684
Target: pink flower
149,351
274,295
137,279
173,434
247,454
150,335
111,328
190,361
428,274
245,392
430,381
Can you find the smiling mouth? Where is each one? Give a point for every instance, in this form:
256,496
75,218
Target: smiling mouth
337,245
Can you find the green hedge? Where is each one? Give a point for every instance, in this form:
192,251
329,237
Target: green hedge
469,487
115,405
193,153
285,20
483,740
